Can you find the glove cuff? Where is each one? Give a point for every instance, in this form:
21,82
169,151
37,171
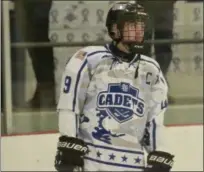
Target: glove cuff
159,160
71,143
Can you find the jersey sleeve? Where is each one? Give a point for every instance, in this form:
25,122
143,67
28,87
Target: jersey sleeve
155,132
74,83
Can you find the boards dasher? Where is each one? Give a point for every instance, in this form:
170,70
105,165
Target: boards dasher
112,102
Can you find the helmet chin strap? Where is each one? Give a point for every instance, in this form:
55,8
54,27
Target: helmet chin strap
133,47
136,48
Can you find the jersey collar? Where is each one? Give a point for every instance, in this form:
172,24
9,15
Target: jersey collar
120,55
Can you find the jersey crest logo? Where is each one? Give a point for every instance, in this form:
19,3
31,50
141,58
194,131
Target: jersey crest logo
121,101
116,105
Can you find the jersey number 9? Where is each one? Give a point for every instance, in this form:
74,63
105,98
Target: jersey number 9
67,84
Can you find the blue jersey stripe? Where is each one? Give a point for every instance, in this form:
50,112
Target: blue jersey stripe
76,123
115,149
96,52
76,85
113,164
154,134
151,63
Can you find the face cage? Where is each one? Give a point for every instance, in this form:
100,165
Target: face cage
132,31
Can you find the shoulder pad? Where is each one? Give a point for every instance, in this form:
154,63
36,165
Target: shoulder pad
93,54
89,51
150,61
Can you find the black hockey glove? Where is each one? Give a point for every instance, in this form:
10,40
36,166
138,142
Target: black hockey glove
159,161
70,154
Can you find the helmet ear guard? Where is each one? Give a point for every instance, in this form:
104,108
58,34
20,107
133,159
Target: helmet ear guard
115,33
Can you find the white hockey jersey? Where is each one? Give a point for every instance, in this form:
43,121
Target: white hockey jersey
120,115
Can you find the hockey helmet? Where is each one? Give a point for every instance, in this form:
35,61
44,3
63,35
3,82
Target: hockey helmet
126,22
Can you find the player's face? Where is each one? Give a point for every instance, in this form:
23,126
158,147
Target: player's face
133,31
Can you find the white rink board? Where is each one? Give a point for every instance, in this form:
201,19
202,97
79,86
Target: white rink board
36,152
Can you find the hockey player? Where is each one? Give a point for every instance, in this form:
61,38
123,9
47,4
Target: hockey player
112,102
